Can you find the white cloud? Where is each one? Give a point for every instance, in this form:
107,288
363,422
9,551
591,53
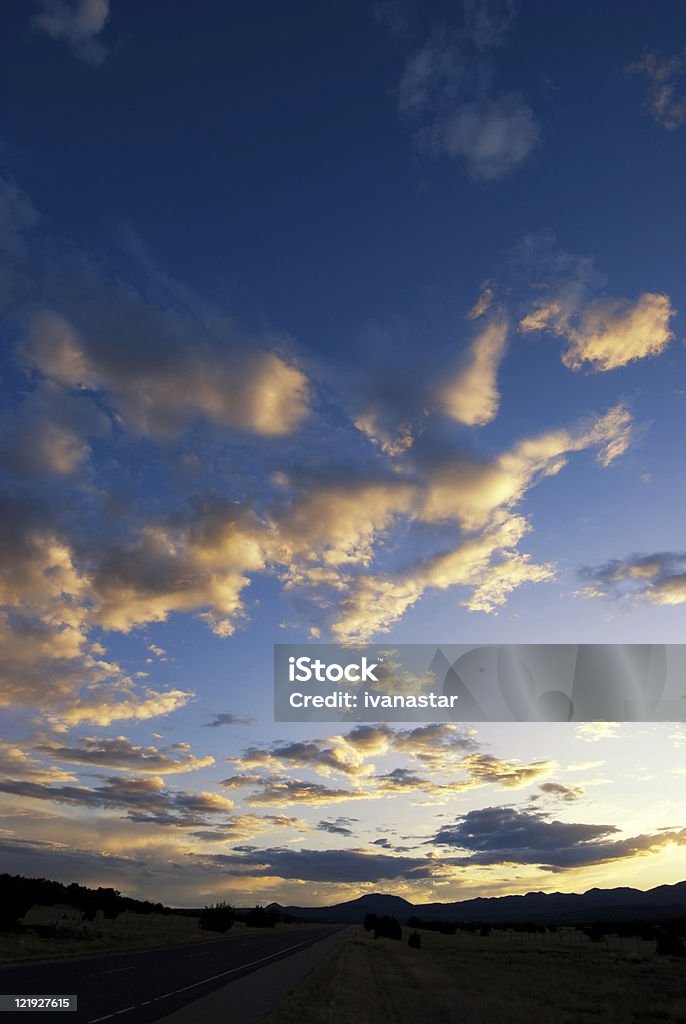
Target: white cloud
663,102
447,86
78,23
491,136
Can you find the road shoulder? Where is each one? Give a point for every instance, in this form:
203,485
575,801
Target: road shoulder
256,993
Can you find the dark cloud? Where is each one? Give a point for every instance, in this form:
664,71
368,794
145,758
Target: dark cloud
144,800
246,826
228,718
562,792
119,752
500,835
61,858
281,790
340,827
325,865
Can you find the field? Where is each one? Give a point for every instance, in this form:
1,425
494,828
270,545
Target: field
503,978
15,948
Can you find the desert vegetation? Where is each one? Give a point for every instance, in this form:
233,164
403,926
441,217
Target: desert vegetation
506,976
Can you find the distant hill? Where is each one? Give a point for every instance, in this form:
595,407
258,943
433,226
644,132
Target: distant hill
596,904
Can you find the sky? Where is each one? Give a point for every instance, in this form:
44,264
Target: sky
352,321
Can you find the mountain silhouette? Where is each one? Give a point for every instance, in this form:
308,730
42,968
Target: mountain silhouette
596,904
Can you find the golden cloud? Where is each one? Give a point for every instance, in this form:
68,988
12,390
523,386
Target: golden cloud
608,333
471,396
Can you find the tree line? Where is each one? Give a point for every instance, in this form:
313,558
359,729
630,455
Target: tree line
18,894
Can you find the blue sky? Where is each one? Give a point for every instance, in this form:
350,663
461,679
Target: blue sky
356,321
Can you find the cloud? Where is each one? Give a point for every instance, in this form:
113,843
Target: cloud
663,102
44,435
558,791
333,756
108,704
195,562
162,372
49,660
608,333
471,396
146,800
508,774
489,22
391,442
659,579
484,302
447,89
492,137
16,763
355,546
448,751
200,560
283,790
325,865
76,22
480,498
475,494
591,732
118,752
242,827
504,835
337,523
228,718
439,746
339,827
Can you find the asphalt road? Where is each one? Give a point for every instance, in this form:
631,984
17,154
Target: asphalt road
138,987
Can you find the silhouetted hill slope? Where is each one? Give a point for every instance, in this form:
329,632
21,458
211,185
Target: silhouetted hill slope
596,904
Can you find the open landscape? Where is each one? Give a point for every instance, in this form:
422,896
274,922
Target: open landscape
504,978
342,510
613,956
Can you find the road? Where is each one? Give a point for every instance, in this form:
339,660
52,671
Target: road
137,987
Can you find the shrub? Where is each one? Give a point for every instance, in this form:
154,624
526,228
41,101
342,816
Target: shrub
217,918
415,940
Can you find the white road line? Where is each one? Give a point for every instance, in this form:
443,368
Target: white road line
107,1016
117,970
253,963
233,970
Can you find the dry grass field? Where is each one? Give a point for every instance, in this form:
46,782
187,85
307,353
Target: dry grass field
17,948
497,979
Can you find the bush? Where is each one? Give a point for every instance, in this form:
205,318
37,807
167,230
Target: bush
217,918
415,940
385,927
262,918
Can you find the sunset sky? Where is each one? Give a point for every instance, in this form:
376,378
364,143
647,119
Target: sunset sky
335,321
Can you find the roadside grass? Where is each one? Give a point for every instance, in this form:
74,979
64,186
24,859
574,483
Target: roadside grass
17,948
472,979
